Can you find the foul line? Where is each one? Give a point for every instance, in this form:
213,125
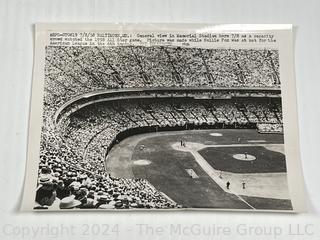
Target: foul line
213,175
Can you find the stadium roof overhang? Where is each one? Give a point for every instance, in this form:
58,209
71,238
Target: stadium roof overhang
172,92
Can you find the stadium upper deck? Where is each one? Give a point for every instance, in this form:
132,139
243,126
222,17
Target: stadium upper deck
72,71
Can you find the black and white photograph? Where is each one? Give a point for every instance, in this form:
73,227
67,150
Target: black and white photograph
160,119
161,126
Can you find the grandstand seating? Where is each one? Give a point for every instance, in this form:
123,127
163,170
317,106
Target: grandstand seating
72,153
71,71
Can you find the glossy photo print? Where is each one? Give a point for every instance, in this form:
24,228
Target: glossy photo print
163,117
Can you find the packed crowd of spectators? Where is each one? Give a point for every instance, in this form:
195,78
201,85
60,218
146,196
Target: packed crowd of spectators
66,180
270,128
64,183
72,171
91,130
71,71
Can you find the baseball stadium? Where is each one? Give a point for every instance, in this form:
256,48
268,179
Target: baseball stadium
161,127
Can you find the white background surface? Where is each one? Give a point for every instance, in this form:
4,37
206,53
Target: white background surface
16,60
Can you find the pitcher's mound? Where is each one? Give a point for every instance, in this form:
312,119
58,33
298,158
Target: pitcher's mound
244,157
142,162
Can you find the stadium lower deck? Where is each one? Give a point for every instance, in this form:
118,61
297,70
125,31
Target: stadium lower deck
92,146
195,175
